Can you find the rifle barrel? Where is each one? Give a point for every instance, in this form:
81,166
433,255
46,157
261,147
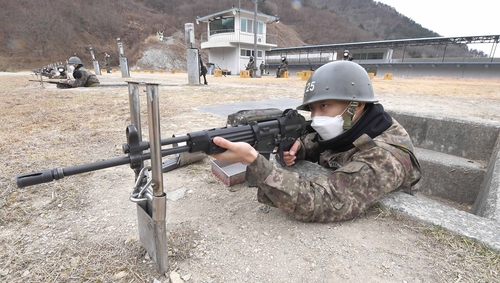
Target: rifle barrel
46,176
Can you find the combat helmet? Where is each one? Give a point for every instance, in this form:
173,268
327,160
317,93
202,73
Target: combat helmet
74,60
339,80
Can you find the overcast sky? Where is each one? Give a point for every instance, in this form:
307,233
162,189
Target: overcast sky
454,17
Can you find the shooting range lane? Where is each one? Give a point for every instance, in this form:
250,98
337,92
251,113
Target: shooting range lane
224,110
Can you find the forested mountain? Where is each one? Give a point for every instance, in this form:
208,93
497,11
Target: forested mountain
37,32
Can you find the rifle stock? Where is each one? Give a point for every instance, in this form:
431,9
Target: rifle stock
264,136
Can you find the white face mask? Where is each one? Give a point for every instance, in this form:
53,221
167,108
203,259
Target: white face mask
328,127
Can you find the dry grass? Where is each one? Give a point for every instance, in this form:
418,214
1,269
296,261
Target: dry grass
66,231
470,261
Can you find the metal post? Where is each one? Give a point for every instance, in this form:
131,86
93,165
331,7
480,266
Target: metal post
135,114
493,49
444,52
159,202
123,60
97,69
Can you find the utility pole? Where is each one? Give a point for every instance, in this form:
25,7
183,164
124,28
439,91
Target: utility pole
255,25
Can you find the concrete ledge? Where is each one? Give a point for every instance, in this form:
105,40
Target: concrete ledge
449,177
451,136
488,200
462,223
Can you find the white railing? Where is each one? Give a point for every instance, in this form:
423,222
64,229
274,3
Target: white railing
231,35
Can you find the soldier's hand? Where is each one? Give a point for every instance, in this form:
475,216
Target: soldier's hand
236,151
289,156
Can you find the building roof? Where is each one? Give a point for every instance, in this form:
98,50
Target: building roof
391,43
232,12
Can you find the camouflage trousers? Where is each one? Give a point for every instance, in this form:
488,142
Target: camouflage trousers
309,192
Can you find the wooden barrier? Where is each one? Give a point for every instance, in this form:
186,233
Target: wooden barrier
388,76
285,74
244,74
371,75
217,73
306,75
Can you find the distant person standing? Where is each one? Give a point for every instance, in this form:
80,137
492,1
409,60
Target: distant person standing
107,58
203,70
262,68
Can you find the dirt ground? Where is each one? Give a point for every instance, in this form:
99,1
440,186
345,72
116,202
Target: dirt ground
83,228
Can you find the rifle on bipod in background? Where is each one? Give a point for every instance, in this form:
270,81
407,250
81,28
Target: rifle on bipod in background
310,65
58,84
220,69
265,133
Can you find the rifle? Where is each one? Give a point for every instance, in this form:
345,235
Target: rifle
58,84
220,69
264,135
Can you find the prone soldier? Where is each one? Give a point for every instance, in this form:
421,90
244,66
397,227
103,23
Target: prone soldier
367,153
82,77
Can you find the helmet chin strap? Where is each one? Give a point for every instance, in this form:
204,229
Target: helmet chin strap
351,108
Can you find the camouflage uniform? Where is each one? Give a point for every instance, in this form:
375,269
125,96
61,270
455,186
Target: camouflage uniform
250,67
107,59
87,79
283,67
262,68
360,177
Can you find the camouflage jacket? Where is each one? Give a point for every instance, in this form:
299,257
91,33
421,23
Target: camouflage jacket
87,79
283,65
251,65
359,178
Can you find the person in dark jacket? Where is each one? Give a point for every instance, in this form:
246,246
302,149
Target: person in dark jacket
203,70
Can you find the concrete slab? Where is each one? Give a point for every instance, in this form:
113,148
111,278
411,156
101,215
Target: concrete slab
483,230
462,138
114,84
